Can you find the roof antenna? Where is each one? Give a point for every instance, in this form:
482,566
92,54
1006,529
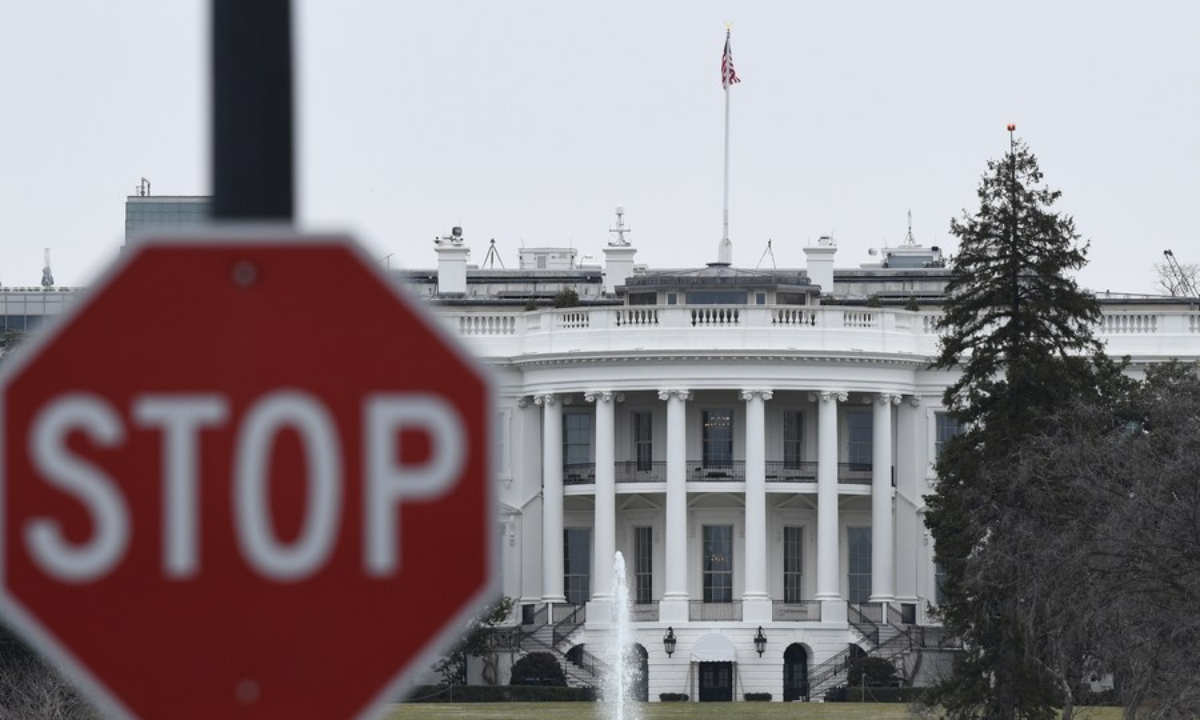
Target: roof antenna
47,276
909,241
620,230
493,256
767,252
143,188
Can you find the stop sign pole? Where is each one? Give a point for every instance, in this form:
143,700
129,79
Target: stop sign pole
252,110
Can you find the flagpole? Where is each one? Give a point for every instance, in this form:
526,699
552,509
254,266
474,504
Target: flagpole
725,253
728,77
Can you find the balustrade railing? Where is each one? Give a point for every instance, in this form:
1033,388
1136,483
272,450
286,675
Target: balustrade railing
700,611
791,471
579,474
698,471
803,611
641,471
854,473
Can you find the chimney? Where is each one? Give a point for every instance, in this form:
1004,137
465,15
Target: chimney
820,263
452,263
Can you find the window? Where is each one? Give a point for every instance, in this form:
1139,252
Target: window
643,439
577,565
860,564
577,442
947,426
717,297
859,427
793,564
672,298
718,563
642,299
760,298
643,565
717,438
793,439
785,298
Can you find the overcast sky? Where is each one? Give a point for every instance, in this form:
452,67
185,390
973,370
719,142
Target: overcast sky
530,122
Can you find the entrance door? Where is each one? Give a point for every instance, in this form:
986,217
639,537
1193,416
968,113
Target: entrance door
716,681
795,673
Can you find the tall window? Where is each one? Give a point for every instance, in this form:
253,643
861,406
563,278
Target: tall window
643,563
860,429
793,438
643,439
577,441
860,564
718,563
718,437
577,565
793,564
946,428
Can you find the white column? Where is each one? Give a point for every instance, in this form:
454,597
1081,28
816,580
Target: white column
827,497
883,554
756,602
604,540
674,605
552,500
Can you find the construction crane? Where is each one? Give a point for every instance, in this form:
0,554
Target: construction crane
1179,282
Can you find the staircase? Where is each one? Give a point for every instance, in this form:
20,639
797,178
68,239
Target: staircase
546,633
889,637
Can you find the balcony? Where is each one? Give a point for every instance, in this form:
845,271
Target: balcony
778,471
791,471
734,471
579,474
803,611
641,471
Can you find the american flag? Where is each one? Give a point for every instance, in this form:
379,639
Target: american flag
728,74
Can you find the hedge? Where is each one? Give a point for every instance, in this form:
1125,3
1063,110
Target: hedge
758,697
673,697
498,693
874,694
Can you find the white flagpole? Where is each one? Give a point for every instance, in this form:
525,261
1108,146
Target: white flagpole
725,250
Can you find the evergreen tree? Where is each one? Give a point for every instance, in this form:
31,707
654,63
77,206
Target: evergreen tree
1019,329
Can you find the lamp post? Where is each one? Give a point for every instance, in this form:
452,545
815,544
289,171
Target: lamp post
760,641
669,641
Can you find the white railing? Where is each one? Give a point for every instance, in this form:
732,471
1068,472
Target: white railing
1136,332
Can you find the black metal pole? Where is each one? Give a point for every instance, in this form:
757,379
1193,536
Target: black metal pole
252,110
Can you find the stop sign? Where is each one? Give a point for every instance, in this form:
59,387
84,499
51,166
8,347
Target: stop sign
245,478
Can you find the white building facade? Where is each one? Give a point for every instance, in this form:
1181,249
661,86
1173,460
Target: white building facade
757,447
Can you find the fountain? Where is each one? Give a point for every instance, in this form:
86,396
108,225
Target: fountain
623,671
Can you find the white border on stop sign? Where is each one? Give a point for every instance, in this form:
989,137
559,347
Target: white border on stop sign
31,629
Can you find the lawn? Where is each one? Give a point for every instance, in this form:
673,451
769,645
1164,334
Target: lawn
668,711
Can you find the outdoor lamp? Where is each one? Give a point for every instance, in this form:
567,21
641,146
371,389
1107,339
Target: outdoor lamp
669,641
760,641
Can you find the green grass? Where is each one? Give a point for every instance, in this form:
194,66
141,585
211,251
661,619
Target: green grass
692,711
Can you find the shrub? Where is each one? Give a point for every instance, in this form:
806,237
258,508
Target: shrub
912,304
566,298
873,671
538,668
493,693
673,697
758,697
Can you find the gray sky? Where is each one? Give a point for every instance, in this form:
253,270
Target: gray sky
531,121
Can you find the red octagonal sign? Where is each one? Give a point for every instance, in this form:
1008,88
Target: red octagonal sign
244,479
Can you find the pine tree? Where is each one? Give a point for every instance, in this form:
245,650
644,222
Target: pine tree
1019,328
